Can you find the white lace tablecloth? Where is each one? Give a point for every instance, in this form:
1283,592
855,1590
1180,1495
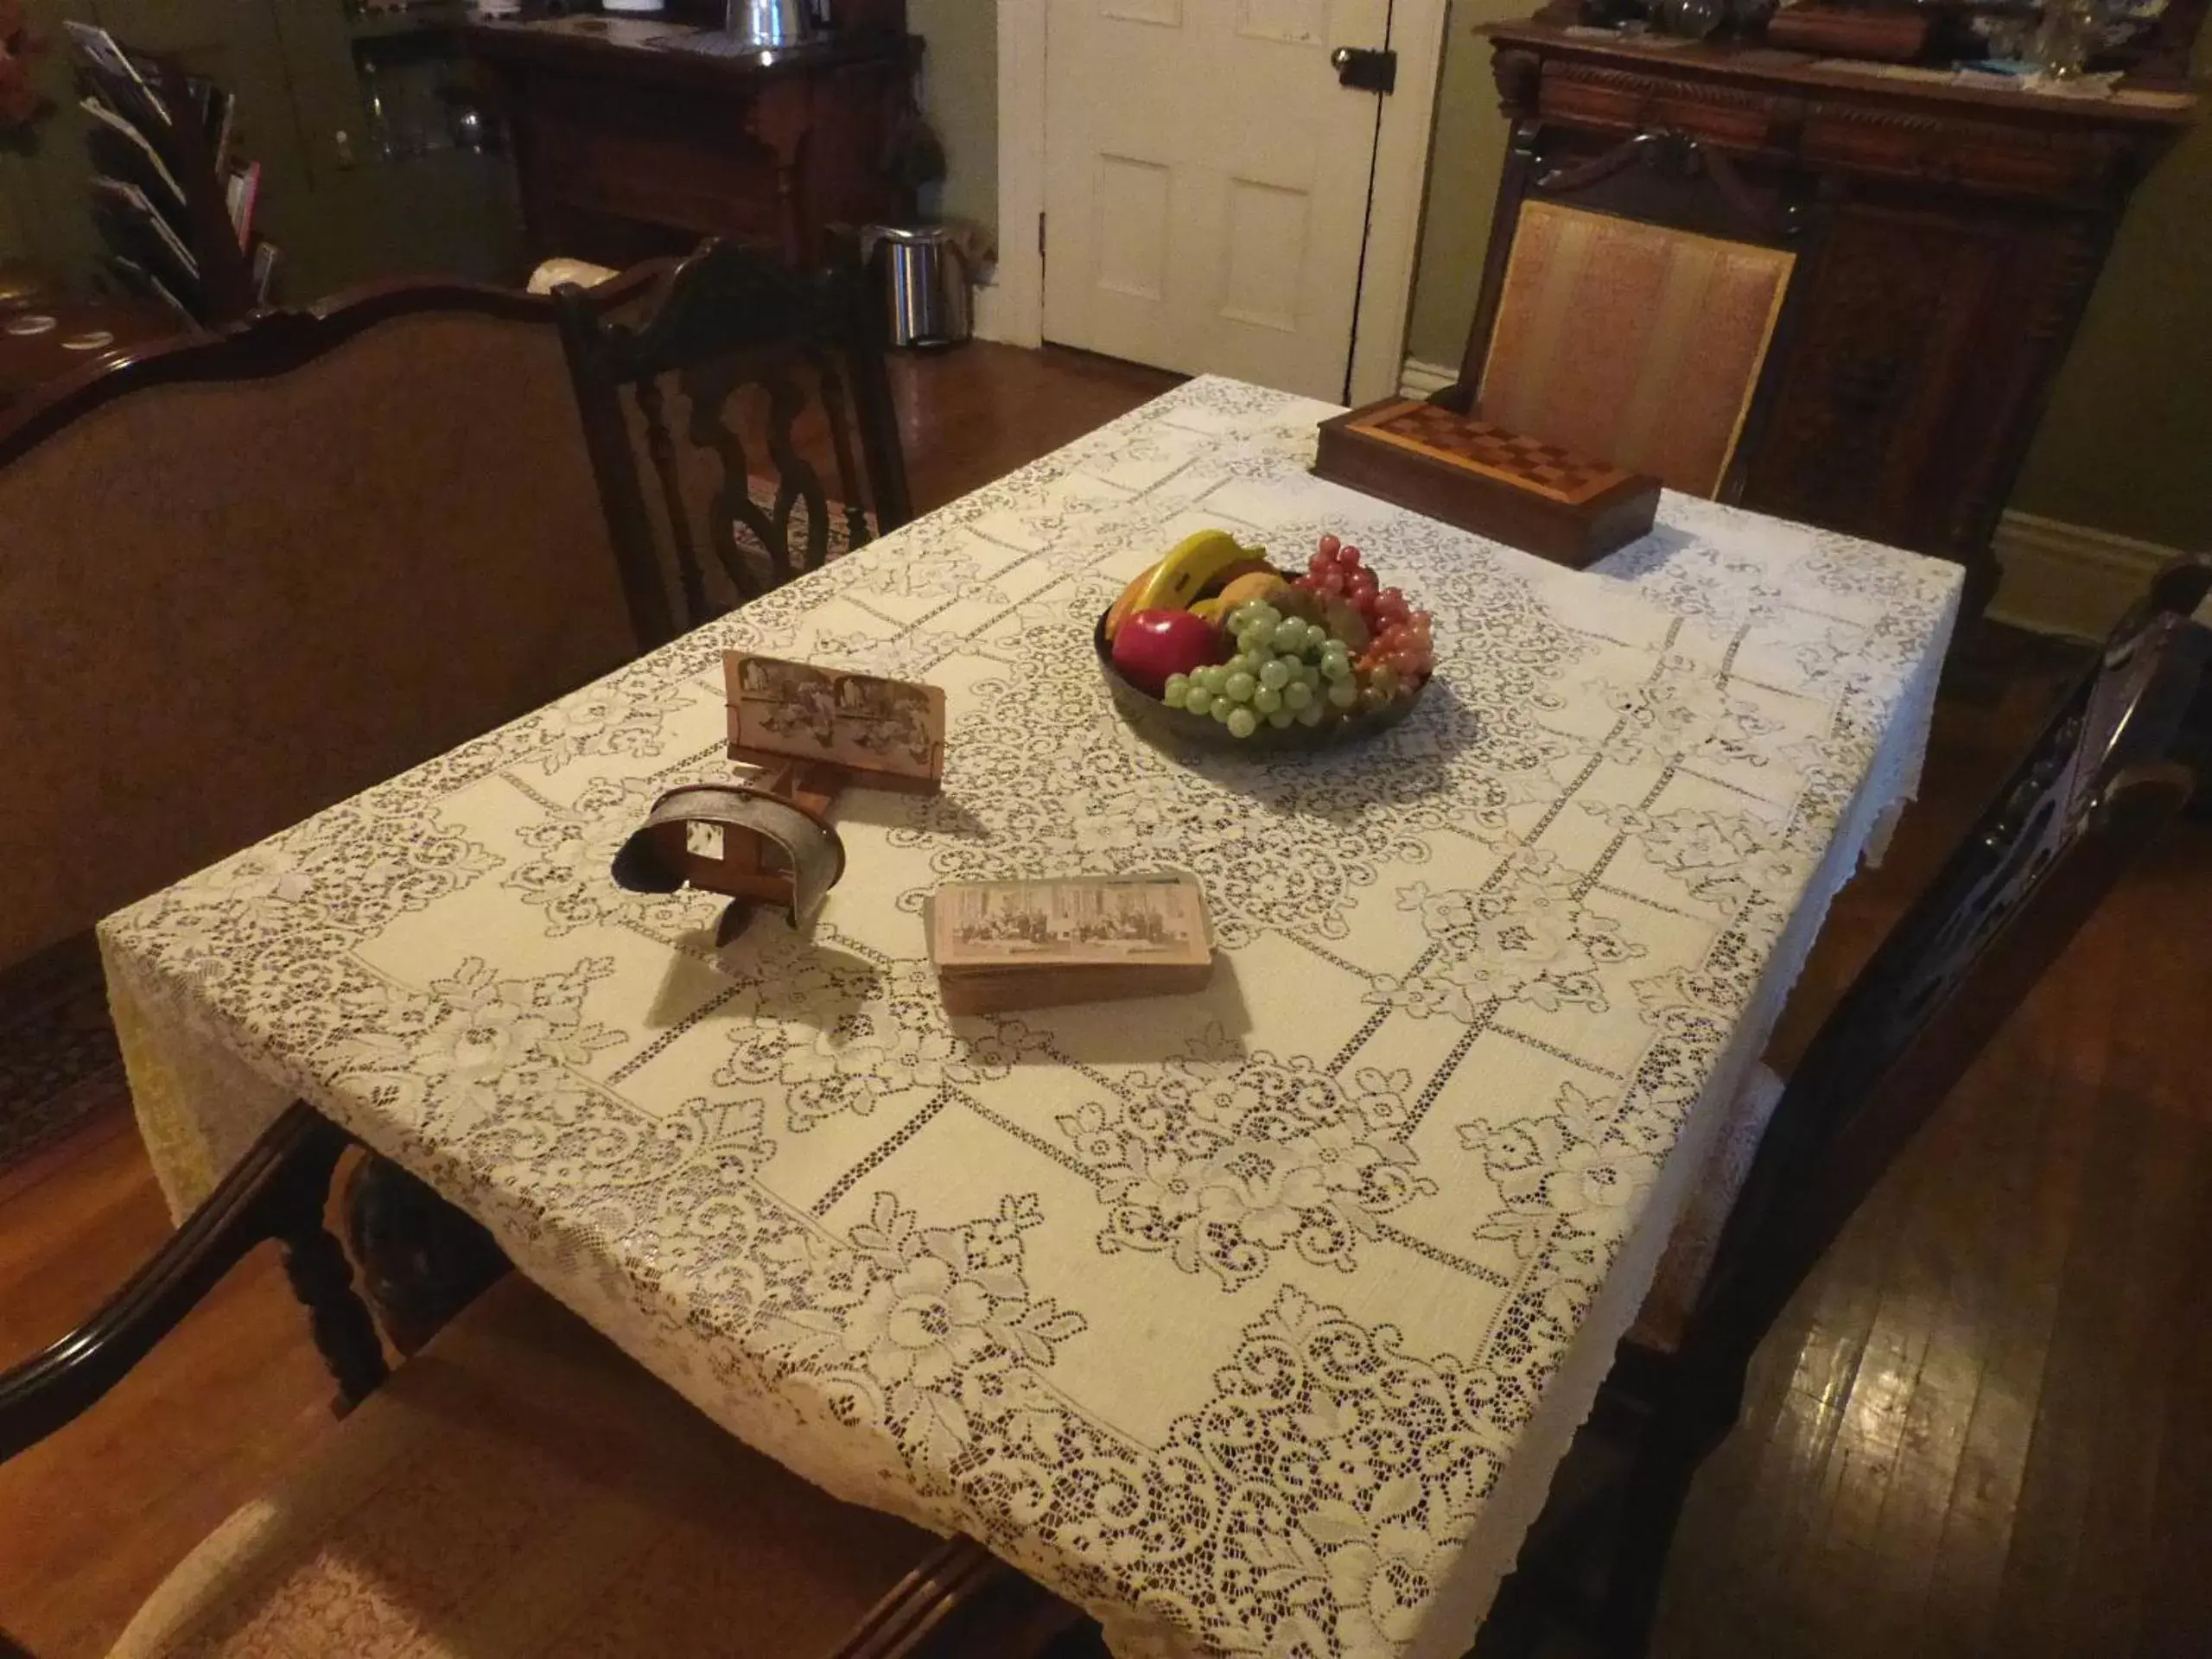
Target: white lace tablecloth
1255,1320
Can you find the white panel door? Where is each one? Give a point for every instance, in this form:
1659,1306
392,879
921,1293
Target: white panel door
1206,184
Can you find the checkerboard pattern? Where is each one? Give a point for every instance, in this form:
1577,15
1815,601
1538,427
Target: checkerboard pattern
1437,431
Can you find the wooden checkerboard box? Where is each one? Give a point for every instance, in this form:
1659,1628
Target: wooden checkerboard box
1527,493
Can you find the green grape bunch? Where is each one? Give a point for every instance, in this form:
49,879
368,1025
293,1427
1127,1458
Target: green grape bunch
1287,672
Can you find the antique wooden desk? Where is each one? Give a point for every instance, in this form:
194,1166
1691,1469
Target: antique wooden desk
625,148
1950,236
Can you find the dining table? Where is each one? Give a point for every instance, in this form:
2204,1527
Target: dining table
1254,1319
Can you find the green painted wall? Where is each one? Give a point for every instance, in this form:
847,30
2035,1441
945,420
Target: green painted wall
960,94
289,63
1466,155
43,216
2122,446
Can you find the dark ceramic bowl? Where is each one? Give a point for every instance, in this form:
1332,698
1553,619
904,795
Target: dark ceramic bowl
1174,727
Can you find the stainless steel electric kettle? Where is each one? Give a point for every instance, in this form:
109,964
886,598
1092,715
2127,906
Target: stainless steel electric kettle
767,24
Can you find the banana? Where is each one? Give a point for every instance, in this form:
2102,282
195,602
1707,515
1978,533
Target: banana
1191,563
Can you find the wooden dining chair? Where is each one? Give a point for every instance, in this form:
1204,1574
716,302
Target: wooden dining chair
244,575
518,1488
711,419
1629,301
549,274
1797,1159
2184,588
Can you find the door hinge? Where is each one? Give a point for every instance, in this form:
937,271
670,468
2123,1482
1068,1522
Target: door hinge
1040,238
1366,69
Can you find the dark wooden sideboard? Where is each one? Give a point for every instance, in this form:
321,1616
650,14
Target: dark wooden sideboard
625,149
1951,236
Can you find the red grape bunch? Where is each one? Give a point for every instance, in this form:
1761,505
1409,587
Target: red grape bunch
1394,648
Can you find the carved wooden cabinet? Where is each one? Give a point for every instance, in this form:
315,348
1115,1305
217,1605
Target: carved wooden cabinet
1948,237
625,148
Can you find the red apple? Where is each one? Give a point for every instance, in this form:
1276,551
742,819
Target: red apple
1149,646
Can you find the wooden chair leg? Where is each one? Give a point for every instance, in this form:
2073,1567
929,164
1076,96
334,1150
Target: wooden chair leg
1523,1621
1651,1508
1685,1410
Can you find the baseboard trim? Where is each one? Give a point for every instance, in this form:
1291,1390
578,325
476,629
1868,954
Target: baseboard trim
1422,380
2069,579
998,316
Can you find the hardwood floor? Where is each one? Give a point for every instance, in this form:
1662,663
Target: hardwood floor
1983,1428
1980,1428
971,416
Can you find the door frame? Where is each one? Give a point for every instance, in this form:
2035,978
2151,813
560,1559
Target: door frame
1012,308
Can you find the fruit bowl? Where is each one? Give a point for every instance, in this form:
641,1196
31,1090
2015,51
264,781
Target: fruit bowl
1153,718
1213,646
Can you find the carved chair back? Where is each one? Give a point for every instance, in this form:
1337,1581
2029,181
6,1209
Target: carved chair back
2097,786
2100,781
712,419
1630,300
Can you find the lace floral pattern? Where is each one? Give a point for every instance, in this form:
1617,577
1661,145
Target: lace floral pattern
1569,1166
1222,1159
1221,1314
1525,936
